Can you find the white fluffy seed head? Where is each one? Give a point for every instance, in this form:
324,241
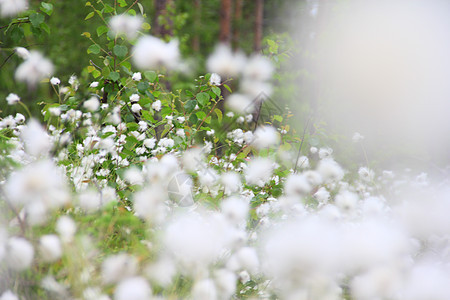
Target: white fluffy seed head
50,248
19,253
151,53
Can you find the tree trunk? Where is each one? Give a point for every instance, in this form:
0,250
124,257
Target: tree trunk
237,22
225,22
163,18
259,18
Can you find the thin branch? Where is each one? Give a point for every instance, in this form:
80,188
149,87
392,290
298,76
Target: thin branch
301,145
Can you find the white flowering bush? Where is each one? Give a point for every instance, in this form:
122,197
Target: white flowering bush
127,189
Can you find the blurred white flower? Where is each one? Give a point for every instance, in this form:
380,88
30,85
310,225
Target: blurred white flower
35,68
8,295
125,25
258,68
240,103
357,137
10,8
151,53
50,247
12,99
265,136
224,62
22,52
92,104
134,288
19,253
259,171
66,228
118,267
204,290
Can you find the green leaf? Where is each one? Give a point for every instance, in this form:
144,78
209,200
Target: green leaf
141,8
216,90
122,3
227,87
89,15
143,86
114,76
17,34
193,119
45,27
94,49
120,50
108,9
150,75
47,8
37,19
219,114
190,105
202,98
102,30
278,118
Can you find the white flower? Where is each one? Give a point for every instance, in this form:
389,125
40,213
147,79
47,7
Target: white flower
8,295
297,185
240,103
34,69
134,98
215,79
137,76
224,62
330,170
9,8
150,143
134,288
37,141
357,137
136,108
265,136
180,132
259,171
346,201
322,195
366,174
181,119
244,259
235,210
125,24
94,84
156,105
231,182
55,81
22,52
204,290
66,228
225,283
55,111
12,99
50,248
19,253
210,132
152,53
118,267
74,82
258,68
92,104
